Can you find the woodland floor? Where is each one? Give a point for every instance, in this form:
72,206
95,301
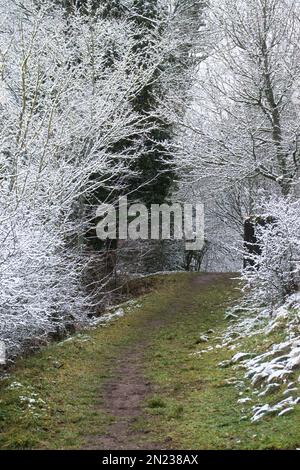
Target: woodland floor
137,382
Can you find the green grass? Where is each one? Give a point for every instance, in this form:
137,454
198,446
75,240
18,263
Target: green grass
192,407
69,378
201,410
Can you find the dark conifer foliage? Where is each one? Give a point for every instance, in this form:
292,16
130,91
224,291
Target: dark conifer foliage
154,168
108,8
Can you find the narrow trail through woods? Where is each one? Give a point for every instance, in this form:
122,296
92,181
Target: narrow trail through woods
149,380
124,395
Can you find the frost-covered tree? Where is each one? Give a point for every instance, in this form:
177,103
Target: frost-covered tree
274,273
241,135
61,112
248,122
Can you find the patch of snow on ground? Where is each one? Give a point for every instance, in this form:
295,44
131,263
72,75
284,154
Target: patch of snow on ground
276,369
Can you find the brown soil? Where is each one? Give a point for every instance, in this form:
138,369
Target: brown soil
123,398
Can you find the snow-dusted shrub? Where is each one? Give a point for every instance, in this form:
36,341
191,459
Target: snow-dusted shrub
40,280
274,273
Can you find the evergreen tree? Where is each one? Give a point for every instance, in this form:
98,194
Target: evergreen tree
155,175
108,9
153,170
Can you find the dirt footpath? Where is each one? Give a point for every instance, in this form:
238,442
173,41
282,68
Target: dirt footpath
125,394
